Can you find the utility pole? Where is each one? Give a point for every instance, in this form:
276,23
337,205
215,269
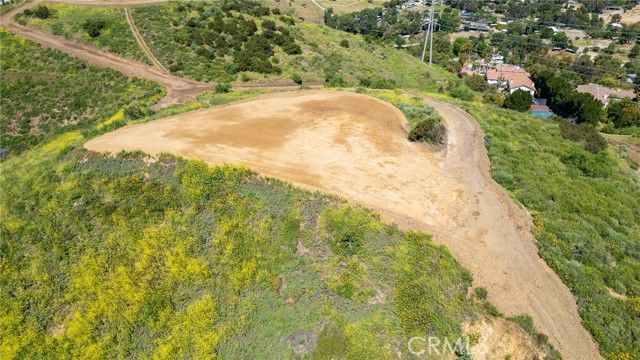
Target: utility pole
429,31
433,28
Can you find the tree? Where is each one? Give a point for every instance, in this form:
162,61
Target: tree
449,20
93,27
561,40
623,113
584,67
586,108
42,12
519,100
476,82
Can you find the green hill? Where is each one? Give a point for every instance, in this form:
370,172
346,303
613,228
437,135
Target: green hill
138,257
245,43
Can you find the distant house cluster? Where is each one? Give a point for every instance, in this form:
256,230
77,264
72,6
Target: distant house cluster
511,78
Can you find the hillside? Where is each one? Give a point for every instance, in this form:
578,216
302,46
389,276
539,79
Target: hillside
45,92
245,46
136,256
131,255
586,210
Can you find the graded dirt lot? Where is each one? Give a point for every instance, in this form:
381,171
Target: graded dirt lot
355,146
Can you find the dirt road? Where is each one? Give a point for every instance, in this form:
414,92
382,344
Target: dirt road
356,146
141,43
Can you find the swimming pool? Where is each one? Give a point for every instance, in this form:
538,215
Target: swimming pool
542,113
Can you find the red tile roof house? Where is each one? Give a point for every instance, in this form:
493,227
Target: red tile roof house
512,77
604,94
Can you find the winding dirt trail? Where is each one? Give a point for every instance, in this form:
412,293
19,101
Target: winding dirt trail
141,42
355,146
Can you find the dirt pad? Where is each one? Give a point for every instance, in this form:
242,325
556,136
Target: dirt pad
355,146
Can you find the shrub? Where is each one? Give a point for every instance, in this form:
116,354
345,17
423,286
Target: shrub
344,43
333,79
291,48
592,165
296,78
379,83
519,100
594,142
42,12
347,228
93,27
428,130
133,111
481,293
461,93
223,88
476,82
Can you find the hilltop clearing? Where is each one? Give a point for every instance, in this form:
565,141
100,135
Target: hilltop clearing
356,146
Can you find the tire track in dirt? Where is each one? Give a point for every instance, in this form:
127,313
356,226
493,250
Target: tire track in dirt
355,146
141,42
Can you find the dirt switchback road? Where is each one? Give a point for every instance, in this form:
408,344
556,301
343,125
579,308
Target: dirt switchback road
355,146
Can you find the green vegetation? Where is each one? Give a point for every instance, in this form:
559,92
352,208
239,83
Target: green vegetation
162,257
582,106
623,113
585,208
104,27
8,7
45,92
520,100
185,42
424,121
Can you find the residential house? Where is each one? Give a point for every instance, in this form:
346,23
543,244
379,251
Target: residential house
605,94
511,78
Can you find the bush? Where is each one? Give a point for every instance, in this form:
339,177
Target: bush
296,78
481,293
333,79
461,93
594,142
291,48
476,82
133,111
592,165
42,12
519,100
93,27
344,43
223,88
428,130
383,84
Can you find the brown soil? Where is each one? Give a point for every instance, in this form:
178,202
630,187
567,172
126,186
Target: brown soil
355,146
